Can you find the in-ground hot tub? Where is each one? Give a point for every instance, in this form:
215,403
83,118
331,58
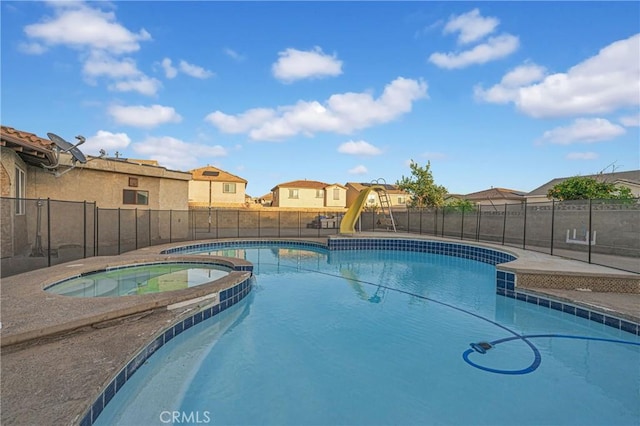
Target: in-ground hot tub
139,279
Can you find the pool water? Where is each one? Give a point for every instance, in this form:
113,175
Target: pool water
144,279
383,337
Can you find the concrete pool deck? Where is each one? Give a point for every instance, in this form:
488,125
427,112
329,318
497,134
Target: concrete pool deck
58,353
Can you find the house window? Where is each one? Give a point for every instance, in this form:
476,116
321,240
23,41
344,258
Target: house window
21,190
402,200
133,182
336,194
319,193
293,193
229,188
130,196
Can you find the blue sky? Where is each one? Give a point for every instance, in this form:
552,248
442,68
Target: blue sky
503,94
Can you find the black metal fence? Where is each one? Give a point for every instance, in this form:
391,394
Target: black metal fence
41,233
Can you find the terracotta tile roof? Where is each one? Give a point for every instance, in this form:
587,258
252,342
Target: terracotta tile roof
210,173
31,148
306,184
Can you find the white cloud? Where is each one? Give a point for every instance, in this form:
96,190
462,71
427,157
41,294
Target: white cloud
141,116
584,130
78,26
495,48
582,156
358,170
240,123
108,141
32,48
100,64
169,70
176,154
233,54
507,90
601,84
194,70
297,64
630,120
143,85
358,148
341,113
471,26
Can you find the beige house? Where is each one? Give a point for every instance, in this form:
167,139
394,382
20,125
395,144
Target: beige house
309,194
106,183
397,197
213,187
630,179
496,197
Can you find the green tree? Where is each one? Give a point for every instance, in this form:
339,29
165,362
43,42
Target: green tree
584,188
459,205
422,188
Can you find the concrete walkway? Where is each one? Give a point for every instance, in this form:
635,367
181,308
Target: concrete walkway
58,353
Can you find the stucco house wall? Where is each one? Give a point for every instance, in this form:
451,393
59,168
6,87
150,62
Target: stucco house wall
335,196
104,181
308,194
207,188
13,227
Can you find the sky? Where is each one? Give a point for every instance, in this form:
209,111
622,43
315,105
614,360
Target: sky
490,94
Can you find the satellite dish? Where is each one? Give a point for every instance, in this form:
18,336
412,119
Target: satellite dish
64,146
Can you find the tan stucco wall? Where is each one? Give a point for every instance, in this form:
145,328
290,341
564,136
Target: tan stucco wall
199,194
306,198
342,199
13,232
394,198
103,181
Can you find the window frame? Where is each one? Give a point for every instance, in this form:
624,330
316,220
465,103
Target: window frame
138,196
227,186
294,194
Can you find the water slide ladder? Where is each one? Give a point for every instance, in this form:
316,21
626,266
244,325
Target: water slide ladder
385,206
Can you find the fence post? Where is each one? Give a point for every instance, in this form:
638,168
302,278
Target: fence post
442,230
48,231
553,213
259,233
217,224
96,250
238,222
119,230
462,225
149,221
478,216
84,229
504,223
136,227
524,227
279,218
589,237
170,225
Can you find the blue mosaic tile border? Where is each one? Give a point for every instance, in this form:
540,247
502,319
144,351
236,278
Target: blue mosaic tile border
465,251
221,245
509,290
228,298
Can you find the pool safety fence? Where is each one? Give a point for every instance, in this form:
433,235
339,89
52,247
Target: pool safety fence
37,233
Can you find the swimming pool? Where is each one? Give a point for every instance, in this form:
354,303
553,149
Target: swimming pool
139,279
383,337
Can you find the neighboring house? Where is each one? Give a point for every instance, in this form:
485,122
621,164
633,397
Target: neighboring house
397,197
110,183
309,194
213,187
630,179
266,199
496,197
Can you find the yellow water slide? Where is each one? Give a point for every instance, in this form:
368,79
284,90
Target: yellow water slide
348,223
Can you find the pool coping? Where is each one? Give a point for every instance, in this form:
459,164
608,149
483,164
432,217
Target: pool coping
131,338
